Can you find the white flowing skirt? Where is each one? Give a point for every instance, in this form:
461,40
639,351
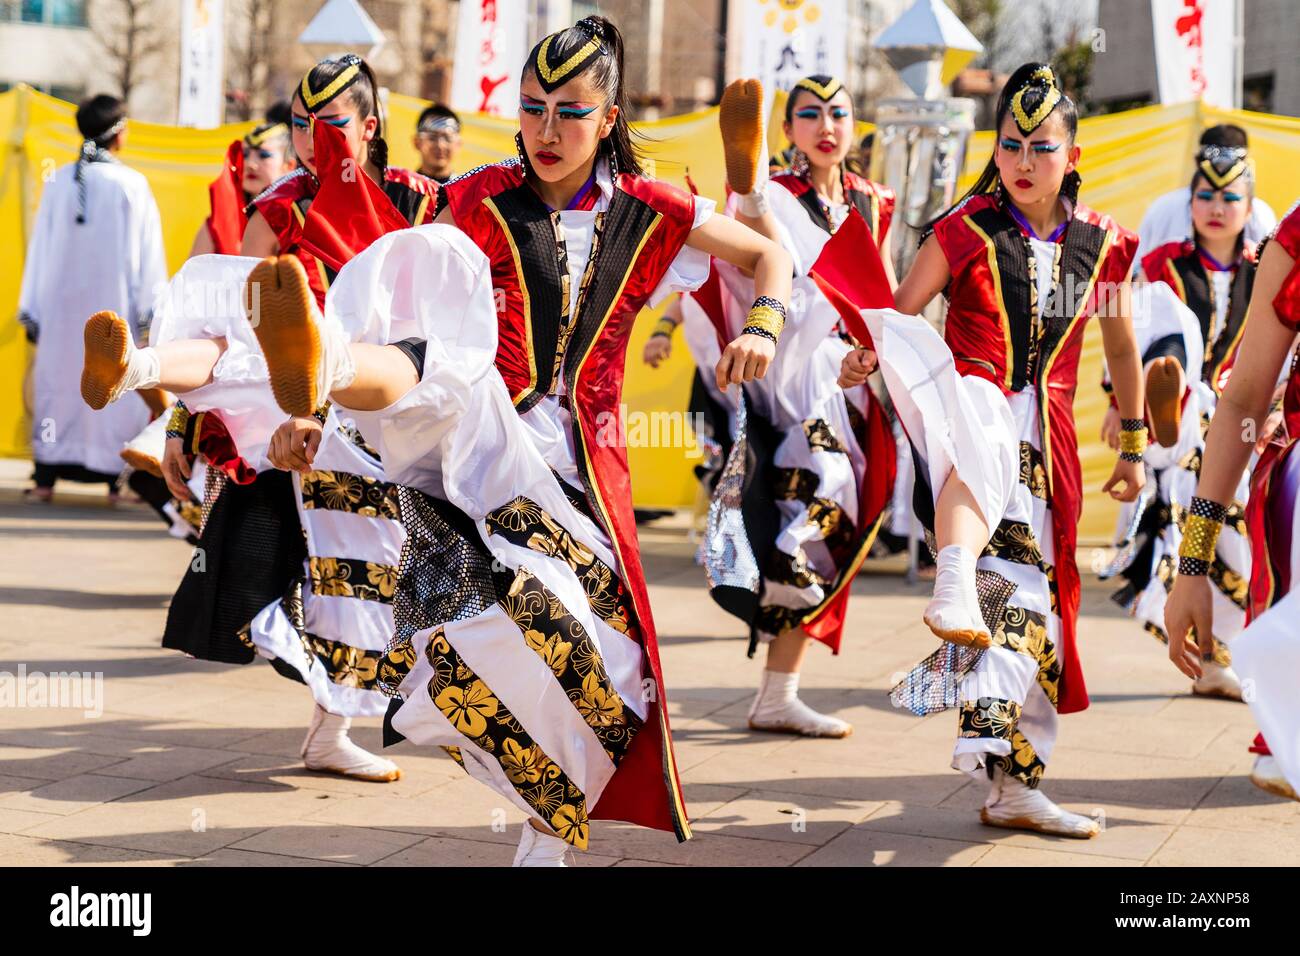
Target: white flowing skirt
1006,695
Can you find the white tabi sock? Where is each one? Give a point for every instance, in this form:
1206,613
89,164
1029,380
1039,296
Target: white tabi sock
777,707
955,607
540,849
328,749
1017,806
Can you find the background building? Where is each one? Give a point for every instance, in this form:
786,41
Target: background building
1126,74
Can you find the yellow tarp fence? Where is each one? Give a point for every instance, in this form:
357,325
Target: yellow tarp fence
1128,159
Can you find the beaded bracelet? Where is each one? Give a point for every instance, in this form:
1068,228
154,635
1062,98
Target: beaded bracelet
665,327
1132,439
1200,535
766,318
322,413
180,419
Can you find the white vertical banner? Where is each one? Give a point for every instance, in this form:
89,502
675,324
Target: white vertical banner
1195,48
783,40
491,44
203,78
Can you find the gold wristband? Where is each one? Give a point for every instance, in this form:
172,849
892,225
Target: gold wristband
179,420
766,318
1133,442
1200,535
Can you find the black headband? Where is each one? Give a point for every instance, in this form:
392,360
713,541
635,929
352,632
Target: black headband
1220,165
553,72
315,100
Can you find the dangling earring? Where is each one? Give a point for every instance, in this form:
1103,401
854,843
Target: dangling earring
613,162
799,162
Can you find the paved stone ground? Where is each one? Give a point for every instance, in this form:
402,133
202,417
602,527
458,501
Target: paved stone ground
193,763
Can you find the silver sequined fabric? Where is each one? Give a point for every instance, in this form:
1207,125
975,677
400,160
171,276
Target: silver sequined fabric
729,560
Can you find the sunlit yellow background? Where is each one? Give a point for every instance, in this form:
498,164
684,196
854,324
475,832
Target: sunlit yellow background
1128,159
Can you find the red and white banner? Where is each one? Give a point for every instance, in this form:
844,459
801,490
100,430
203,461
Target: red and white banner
491,44
1194,46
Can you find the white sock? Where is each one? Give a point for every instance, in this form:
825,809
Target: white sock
143,368
337,369
540,849
1016,805
777,707
956,604
328,748
755,204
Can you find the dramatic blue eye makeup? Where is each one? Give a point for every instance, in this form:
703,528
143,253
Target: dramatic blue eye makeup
1010,145
1205,195
533,107
839,113
1046,147
808,112
1233,197
339,122
576,112
300,122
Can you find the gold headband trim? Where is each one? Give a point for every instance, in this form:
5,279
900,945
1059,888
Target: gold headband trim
271,132
554,77
332,89
1028,122
821,92
1219,180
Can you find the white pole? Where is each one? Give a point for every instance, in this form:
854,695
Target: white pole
1239,56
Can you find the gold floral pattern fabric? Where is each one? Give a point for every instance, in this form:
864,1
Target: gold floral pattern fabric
345,665
1025,632
344,491
794,484
394,665
524,522
1022,763
475,711
1032,473
821,437
1014,541
564,645
348,577
988,718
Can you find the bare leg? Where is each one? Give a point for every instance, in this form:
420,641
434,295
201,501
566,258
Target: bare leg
187,364
786,650
777,706
957,518
383,375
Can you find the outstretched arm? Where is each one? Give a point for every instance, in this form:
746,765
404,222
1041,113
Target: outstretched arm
749,356
1240,413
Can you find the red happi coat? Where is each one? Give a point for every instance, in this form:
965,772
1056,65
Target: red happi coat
1178,265
225,223
326,225
988,331
644,228
874,201
1271,575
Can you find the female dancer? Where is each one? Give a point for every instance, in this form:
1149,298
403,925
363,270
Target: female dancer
1187,365
319,608
1266,652
525,642
812,514
990,417
251,164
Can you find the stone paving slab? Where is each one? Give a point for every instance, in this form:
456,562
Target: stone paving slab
195,764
